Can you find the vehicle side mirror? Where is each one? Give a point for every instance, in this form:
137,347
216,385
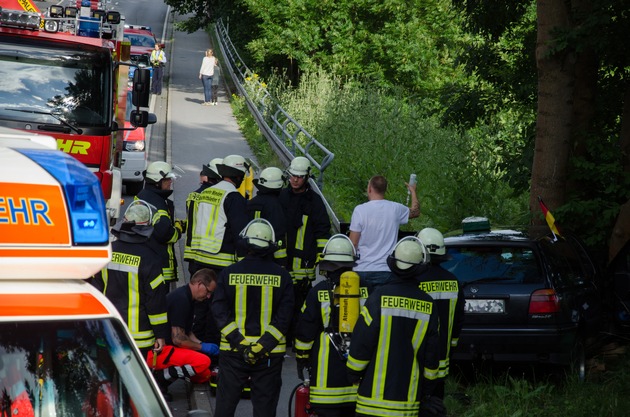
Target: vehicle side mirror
141,118
141,87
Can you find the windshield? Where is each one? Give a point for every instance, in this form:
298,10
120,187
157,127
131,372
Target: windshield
493,264
72,368
53,86
140,40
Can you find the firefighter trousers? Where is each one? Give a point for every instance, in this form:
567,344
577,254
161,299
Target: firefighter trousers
265,384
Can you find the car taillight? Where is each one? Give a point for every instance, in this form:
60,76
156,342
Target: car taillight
543,301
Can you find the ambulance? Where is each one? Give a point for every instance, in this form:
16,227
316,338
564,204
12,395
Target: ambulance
64,349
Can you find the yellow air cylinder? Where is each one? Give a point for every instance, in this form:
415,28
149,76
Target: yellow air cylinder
349,296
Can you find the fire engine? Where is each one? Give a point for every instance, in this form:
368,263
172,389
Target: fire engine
65,74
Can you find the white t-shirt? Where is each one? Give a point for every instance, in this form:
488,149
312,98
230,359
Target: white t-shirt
378,222
207,66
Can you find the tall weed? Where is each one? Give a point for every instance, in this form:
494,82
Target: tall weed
373,131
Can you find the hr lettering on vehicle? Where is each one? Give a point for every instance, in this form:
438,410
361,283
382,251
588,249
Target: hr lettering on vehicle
73,147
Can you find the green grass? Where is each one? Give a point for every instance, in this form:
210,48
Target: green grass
544,392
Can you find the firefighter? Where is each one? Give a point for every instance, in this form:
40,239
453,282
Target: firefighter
218,214
252,306
266,205
208,177
448,298
133,281
308,228
158,180
395,346
319,345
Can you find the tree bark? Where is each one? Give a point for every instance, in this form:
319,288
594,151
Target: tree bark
556,79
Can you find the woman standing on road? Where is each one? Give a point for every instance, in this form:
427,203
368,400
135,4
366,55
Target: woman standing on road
205,75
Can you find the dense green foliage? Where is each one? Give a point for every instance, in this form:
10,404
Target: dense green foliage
375,132
452,81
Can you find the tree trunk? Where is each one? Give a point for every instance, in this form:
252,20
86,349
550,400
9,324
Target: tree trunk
555,109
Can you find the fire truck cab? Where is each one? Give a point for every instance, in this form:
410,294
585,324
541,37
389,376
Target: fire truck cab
65,74
64,348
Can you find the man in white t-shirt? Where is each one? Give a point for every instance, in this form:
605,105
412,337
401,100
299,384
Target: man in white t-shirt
374,229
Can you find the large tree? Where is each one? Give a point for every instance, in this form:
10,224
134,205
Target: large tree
556,80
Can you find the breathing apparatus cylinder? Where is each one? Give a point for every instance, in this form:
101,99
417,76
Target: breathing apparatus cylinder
349,296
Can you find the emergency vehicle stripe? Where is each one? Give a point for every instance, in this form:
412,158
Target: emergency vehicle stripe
54,253
50,304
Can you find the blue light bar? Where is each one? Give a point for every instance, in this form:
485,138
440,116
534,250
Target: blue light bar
83,193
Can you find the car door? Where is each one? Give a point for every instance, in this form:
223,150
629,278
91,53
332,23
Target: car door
573,275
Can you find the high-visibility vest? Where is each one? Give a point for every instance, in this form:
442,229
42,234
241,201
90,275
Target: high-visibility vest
209,224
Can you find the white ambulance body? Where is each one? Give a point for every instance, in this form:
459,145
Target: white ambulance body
64,349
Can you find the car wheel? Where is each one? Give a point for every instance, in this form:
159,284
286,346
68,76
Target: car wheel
133,188
578,359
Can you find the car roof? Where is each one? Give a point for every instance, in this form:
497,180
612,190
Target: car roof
141,29
500,235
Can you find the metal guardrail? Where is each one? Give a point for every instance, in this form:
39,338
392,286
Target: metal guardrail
287,137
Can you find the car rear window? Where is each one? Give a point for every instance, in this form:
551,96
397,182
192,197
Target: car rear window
493,263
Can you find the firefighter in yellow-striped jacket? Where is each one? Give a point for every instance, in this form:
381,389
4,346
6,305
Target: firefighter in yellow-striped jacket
394,348
217,214
133,280
449,300
252,306
266,205
308,228
319,343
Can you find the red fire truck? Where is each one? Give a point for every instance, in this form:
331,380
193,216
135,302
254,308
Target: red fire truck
65,74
